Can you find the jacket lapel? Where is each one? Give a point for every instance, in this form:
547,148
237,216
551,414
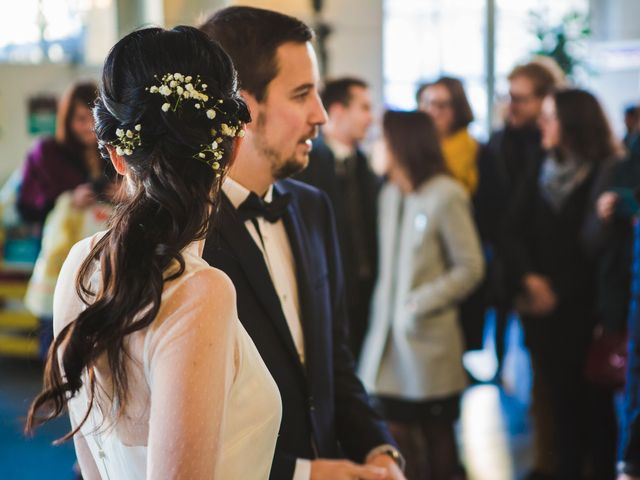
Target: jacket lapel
251,260
298,241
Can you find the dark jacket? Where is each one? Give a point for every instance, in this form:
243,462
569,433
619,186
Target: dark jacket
354,197
326,412
564,246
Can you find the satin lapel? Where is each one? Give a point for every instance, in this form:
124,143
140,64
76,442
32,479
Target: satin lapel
299,243
255,268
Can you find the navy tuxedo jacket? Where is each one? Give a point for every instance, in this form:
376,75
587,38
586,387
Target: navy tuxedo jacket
326,412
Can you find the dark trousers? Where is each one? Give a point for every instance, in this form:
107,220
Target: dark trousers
583,417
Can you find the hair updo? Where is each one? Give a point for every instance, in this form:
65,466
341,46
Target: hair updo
171,194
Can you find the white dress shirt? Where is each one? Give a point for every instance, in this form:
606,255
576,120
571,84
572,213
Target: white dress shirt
276,250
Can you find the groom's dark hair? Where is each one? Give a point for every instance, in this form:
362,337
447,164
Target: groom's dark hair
251,36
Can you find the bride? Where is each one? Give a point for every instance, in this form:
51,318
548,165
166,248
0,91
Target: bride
159,376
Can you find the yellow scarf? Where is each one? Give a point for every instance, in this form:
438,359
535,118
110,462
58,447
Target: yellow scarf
460,152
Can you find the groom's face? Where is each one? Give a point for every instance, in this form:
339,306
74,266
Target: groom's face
290,113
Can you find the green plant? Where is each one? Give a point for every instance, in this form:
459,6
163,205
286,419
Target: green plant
563,42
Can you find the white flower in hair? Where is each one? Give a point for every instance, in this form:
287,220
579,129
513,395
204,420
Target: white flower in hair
211,114
119,132
164,90
165,107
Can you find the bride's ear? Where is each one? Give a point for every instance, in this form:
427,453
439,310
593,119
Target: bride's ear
117,161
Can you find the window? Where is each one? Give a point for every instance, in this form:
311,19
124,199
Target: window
424,39
47,30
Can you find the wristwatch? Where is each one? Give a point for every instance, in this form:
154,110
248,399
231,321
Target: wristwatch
391,451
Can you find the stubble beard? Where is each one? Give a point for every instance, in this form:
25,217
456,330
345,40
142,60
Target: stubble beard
280,168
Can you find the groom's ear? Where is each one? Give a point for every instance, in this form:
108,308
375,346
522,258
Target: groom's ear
253,105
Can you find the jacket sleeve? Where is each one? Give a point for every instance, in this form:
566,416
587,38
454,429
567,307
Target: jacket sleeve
466,263
359,427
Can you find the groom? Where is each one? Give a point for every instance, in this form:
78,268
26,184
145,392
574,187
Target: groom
276,240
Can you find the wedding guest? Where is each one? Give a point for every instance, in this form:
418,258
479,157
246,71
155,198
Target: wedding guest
158,374
510,152
340,168
68,161
430,260
277,242
446,101
555,243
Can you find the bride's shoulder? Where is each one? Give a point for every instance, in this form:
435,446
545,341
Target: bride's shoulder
208,290
211,283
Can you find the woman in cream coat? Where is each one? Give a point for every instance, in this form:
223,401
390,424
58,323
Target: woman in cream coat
430,259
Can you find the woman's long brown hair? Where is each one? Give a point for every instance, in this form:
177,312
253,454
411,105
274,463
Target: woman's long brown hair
166,207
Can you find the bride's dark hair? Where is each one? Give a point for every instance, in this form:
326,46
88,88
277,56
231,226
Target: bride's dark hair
165,205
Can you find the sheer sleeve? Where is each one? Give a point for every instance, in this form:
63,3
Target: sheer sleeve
190,369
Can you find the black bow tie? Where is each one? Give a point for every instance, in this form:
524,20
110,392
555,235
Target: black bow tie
254,207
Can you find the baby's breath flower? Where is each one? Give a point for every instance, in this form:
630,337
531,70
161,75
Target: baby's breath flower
153,89
128,151
197,105
215,165
201,155
189,87
173,84
214,145
204,87
180,90
164,90
166,107
211,114
119,151
119,132
138,127
241,133
187,78
129,134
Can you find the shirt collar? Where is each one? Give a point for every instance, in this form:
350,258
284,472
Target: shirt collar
237,193
340,151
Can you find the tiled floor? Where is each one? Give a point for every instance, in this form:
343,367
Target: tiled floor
493,432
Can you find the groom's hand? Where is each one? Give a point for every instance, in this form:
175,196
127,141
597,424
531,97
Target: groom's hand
385,461
346,470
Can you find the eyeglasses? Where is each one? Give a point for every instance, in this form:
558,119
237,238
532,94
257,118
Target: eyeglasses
515,98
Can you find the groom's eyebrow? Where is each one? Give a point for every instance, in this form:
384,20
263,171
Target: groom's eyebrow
304,88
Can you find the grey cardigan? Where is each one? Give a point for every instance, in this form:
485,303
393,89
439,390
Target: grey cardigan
430,260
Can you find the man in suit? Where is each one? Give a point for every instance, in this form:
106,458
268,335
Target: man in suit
512,152
339,168
276,241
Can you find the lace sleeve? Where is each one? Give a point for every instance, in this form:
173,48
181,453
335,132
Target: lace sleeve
190,365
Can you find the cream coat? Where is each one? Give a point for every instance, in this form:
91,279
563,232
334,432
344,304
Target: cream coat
430,260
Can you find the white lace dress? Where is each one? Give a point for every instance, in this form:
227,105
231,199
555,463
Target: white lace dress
201,402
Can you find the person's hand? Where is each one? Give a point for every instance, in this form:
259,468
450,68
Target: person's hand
346,470
83,196
624,476
385,461
606,205
540,299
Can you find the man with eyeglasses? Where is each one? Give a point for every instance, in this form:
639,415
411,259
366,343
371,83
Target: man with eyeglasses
511,152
